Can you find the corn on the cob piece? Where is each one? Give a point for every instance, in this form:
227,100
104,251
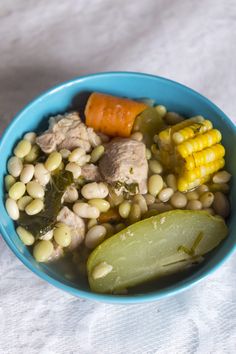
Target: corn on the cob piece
199,143
205,156
191,150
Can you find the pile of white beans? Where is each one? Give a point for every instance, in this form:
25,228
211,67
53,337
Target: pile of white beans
27,179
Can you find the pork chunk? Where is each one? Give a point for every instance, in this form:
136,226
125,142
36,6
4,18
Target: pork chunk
76,225
125,161
67,132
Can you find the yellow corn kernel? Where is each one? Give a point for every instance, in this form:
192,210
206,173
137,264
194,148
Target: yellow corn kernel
199,143
205,156
203,170
182,135
164,139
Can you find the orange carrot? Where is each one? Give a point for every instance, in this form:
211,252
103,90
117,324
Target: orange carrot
111,115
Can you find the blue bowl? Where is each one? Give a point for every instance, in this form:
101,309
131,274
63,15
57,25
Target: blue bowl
177,98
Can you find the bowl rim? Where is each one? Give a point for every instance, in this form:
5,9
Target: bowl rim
109,298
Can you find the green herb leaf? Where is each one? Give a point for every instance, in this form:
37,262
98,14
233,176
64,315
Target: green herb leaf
44,221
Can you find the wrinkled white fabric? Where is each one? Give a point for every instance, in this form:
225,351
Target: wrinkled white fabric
46,42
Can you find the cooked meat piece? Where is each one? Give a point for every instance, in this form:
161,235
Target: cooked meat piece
91,172
124,161
47,142
67,132
76,224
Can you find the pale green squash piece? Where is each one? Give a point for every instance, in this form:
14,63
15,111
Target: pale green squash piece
160,245
150,123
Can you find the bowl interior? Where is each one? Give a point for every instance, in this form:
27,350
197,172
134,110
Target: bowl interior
177,98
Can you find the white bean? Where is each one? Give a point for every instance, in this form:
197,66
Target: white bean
136,136
156,139
124,209
71,194
74,168
91,223
9,181
135,213
148,154
95,236
155,151
33,154
202,189
221,205
26,237
101,270
141,201
206,199
41,174
194,205
23,202
43,250
22,148
155,166
178,200
165,194
161,110
76,154
83,160
65,153
192,195
31,137
35,190
102,204
221,177
84,210
155,184
12,209
62,235
17,190
14,166
171,182
94,190
34,207
97,153
53,161
27,173
150,199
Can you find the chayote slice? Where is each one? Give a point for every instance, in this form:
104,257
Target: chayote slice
150,123
154,247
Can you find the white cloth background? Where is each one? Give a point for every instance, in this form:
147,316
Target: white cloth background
45,42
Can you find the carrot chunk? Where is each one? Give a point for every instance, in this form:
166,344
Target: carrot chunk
112,115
